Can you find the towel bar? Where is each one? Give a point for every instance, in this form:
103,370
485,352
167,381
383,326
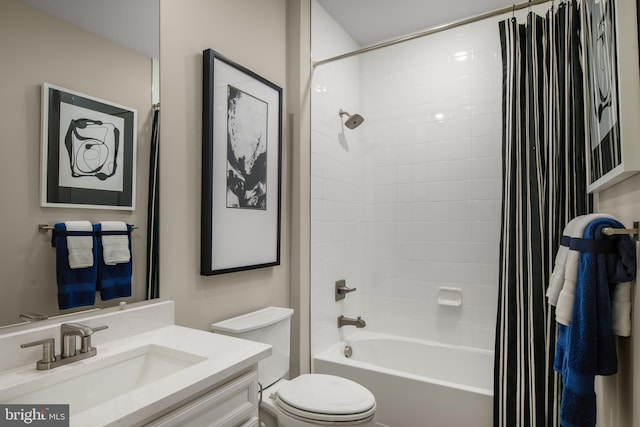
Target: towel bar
43,228
610,231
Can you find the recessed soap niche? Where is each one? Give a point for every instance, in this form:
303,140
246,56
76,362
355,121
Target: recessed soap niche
451,297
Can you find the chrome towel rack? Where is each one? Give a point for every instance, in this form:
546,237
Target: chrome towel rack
43,228
610,231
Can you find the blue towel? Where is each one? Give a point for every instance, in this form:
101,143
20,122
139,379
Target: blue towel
114,281
587,347
76,287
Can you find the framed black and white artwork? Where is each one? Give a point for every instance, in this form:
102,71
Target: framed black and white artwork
88,151
612,90
603,117
241,168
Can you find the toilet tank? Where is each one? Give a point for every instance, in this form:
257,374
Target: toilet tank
271,325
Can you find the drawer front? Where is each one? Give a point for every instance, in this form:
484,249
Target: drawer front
253,422
233,405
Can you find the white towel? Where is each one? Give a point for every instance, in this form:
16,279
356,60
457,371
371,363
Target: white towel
115,248
564,308
80,247
621,309
557,276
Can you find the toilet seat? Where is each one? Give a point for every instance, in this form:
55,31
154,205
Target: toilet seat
326,399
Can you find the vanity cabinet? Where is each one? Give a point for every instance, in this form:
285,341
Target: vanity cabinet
234,404
147,372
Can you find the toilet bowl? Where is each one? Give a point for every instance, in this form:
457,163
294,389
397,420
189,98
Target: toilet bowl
307,400
316,399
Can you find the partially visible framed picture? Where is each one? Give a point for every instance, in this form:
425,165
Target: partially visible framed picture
88,151
612,91
602,66
241,168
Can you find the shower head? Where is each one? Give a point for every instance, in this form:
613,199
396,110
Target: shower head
353,121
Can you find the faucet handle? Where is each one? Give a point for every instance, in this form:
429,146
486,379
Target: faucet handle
48,349
341,289
85,341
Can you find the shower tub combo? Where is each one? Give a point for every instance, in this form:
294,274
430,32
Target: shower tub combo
416,382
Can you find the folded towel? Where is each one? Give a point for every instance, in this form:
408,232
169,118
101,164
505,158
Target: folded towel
587,347
564,306
114,280
621,308
115,247
80,247
557,275
76,287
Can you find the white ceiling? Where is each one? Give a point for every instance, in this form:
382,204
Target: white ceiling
372,21
134,24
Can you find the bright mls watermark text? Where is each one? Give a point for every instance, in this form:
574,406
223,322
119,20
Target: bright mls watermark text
34,415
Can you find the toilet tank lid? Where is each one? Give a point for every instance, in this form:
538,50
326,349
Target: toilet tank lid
252,321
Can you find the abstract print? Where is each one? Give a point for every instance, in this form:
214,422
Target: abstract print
246,150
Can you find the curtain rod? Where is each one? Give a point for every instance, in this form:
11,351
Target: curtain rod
434,30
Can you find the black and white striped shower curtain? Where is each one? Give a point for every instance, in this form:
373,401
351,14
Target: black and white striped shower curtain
153,211
544,186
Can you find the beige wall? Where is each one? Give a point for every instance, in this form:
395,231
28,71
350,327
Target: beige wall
253,34
621,393
299,102
37,48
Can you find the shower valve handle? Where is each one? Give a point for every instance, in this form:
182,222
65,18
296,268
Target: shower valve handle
342,290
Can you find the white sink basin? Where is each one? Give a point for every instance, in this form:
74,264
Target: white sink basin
137,375
117,375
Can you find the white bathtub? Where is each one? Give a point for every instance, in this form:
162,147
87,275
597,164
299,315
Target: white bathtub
417,383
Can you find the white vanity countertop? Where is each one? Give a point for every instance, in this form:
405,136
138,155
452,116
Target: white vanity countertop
224,357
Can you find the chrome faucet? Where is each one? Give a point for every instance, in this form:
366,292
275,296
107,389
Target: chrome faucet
33,317
68,348
68,334
347,321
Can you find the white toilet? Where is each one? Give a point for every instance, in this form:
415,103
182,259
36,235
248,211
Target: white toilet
308,400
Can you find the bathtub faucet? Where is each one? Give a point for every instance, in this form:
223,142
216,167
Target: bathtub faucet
346,321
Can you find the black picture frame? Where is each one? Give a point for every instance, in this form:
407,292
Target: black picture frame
88,151
241,168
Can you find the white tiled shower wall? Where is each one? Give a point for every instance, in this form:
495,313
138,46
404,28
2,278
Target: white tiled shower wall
337,167
410,201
